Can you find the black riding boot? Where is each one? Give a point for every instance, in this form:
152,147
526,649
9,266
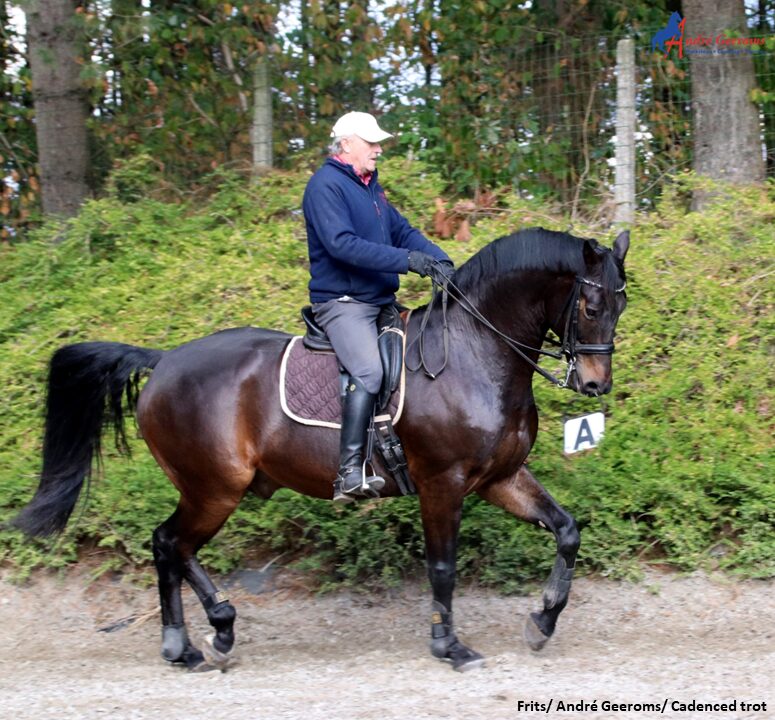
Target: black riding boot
357,409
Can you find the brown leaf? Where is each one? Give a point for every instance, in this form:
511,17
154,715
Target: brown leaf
463,233
442,225
732,342
464,207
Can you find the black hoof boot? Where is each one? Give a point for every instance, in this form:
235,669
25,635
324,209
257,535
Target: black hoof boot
176,649
446,646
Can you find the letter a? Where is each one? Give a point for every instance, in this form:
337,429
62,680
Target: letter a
585,435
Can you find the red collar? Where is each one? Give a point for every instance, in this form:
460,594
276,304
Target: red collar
365,178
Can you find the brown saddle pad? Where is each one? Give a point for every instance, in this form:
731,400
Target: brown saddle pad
310,386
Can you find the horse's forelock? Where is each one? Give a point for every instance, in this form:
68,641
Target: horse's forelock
613,271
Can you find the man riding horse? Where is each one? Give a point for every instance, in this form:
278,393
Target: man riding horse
358,244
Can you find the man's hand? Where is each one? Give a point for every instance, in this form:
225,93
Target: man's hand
442,270
420,262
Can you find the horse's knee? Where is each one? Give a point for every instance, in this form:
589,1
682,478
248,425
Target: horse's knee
441,574
568,537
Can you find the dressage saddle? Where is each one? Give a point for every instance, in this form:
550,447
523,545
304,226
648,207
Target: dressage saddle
390,341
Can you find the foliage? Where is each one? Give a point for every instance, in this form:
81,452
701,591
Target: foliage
19,186
682,478
489,94
179,84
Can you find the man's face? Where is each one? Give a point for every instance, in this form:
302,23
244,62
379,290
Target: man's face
360,154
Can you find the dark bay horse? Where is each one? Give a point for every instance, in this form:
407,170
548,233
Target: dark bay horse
211,416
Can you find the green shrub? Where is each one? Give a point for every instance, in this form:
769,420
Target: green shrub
683,476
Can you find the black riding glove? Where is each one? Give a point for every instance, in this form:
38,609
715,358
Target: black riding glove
420,262
442,270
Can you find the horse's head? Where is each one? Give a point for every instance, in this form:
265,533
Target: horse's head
597,301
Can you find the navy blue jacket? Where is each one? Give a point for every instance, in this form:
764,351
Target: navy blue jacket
358,242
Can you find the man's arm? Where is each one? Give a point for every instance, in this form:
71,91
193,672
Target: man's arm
326,211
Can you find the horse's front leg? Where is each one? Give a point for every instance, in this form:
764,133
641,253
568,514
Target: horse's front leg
523,496
441,514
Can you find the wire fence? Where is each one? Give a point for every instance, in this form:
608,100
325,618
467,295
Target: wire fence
560,115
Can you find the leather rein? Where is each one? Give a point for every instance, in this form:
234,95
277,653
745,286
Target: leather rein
569,347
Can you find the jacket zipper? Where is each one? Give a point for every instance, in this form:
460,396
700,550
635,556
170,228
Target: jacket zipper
380,219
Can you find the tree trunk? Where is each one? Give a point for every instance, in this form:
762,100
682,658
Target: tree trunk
727,142
261,130
61,108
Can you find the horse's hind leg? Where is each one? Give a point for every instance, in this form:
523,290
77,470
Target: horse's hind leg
175,544
175,646
523,496
220,613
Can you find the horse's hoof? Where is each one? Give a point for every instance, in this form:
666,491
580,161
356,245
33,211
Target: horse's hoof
472,662
534,636
214,657
461,658
201,667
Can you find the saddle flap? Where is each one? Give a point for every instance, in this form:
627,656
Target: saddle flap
391,350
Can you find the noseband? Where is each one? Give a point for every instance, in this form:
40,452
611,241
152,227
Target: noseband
569,348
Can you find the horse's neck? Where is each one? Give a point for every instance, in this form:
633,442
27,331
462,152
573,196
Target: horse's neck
516,307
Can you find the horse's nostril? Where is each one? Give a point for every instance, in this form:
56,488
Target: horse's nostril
595,388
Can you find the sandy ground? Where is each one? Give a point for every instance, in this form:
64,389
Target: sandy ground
665,640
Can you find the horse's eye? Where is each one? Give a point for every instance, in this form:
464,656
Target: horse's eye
591,311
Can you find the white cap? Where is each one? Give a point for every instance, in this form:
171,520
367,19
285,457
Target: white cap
361,124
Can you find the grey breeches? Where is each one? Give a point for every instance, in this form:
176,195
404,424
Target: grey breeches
351,327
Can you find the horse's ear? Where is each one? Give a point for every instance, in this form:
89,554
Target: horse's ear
591,258
622,245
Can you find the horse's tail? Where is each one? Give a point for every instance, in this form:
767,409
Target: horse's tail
90,385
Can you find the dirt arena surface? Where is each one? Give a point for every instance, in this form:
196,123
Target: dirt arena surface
668,639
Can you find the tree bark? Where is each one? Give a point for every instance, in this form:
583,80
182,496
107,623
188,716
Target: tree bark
61,108
727,141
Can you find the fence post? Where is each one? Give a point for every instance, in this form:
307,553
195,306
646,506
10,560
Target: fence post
624,190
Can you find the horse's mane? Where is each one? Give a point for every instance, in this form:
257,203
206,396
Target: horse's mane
534,249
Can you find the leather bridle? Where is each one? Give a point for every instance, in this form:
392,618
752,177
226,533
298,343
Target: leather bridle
569,348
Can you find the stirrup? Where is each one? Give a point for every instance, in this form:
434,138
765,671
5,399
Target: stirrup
351,485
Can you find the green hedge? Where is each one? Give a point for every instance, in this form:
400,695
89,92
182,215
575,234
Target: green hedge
683,476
